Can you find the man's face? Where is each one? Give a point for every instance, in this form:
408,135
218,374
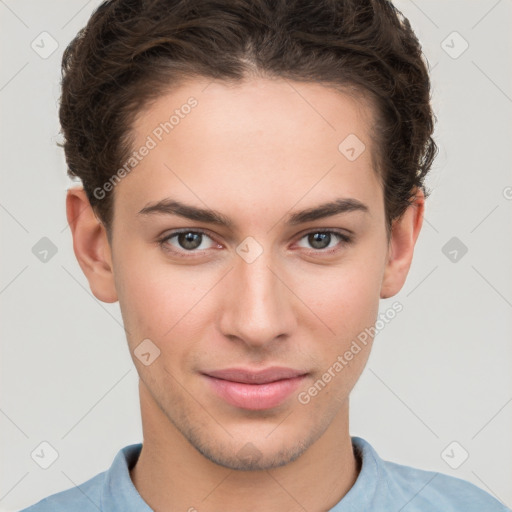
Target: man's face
261,292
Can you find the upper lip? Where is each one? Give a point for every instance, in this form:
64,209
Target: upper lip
256,376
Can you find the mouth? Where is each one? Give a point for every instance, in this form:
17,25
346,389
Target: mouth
255,390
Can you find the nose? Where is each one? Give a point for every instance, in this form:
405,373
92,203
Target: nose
257,306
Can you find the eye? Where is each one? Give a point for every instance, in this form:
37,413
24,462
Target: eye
327,241
186,241
195,241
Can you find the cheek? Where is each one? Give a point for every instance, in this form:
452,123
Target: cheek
160,301
348,304
149,299
345,298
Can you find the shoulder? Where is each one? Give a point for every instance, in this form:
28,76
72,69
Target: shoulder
418,490
426,489
83,498
109,490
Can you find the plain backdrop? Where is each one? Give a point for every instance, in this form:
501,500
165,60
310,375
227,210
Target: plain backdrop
440,372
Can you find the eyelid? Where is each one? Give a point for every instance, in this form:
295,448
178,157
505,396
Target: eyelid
339,231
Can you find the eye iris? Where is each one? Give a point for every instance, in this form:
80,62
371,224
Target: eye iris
190,240
317,240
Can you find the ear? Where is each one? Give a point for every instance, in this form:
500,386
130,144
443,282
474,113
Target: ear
404,234
91,245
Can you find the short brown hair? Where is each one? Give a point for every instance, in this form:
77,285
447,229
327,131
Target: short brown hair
132,51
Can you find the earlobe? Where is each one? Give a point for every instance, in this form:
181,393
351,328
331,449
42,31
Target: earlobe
91,245
405,232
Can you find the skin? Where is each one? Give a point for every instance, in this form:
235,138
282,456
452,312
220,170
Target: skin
256,152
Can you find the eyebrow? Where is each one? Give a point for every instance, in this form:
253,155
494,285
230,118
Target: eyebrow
173,207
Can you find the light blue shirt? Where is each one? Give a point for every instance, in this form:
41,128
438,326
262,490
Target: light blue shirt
381,486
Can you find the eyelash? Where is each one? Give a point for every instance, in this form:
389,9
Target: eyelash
344,238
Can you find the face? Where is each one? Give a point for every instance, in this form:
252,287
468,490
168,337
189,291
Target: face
256,286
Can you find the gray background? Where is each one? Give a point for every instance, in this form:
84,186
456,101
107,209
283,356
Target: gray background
438,373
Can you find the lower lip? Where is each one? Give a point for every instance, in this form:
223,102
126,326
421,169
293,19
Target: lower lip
255,396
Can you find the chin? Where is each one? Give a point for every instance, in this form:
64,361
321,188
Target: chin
250,457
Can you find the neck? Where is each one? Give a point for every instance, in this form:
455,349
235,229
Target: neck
172,475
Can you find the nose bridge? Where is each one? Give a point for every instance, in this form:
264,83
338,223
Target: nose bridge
257,308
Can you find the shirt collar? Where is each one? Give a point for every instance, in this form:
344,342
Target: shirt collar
119,493
361,496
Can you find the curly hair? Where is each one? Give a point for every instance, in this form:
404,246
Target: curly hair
133,51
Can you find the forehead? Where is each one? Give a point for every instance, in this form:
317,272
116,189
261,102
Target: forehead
261,139
255,106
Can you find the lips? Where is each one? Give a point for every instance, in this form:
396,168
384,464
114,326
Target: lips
255,390
256,377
